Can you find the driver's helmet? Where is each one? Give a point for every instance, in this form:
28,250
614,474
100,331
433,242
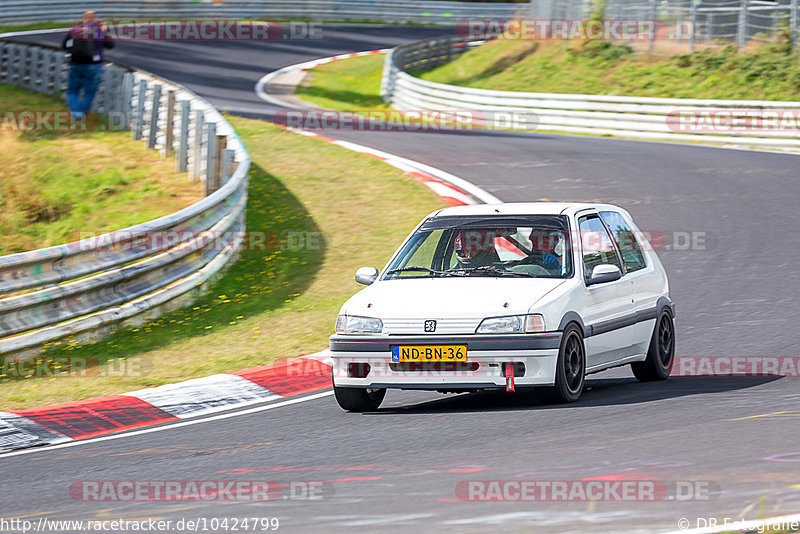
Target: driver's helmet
472,245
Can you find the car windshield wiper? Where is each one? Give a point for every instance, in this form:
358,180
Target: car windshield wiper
491,269
421,270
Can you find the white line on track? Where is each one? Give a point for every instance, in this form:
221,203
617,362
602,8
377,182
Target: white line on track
170,426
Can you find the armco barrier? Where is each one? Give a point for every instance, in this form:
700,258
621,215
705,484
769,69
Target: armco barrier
419,11
95,283
626,116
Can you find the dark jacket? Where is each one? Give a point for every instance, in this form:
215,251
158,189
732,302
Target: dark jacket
85,42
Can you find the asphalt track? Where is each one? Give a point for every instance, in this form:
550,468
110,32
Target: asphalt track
398,469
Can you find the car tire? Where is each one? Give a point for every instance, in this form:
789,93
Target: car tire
660,354
359,399
570,369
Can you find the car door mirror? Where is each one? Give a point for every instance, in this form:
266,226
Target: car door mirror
366,275
604,273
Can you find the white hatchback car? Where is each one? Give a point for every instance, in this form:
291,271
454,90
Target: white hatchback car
506,296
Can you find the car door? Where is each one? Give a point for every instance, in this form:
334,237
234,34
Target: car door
647,279
608,305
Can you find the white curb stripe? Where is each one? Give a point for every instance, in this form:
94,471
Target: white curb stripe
201,396
18,432
170,426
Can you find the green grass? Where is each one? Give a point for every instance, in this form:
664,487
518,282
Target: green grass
769,72
56,187
351,85
33,26
271,304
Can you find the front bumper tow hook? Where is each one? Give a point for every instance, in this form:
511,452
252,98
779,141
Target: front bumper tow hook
508,369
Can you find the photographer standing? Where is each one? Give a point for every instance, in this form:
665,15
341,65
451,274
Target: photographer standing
85,43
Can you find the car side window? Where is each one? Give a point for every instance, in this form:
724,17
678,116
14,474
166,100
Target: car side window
596,244
625,239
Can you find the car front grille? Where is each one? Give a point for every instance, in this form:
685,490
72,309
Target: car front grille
443,326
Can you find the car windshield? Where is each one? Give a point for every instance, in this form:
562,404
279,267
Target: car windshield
535,246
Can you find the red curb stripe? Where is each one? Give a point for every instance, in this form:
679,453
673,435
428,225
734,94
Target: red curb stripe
454,201
451,201
291,377
94,417
424,177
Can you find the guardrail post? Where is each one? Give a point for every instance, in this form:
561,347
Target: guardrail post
60,76
138,117
13,64
197,151
4,53
154,110
48,60
693,22
741,29
169,138
33,67
227,165
108,84
222,145
210,183
793,22
126,97
182,160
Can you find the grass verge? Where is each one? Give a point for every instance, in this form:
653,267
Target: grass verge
58,186
767,72
271,304
352,84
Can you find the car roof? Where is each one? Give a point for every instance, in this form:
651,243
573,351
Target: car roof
524,208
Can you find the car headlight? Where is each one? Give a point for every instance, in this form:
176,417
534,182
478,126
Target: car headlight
351,324
512,324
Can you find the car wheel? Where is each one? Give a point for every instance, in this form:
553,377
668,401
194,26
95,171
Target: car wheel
570,369
660,354
359,399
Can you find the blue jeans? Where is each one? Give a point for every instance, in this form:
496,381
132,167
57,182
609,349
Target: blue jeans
86,78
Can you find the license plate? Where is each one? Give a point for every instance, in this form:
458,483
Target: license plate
429,353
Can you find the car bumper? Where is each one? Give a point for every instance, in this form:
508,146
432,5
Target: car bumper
533,356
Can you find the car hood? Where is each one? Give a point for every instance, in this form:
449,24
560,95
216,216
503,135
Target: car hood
468,297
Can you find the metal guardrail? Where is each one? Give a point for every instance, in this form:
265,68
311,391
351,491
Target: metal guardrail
75,288
626,116
418,11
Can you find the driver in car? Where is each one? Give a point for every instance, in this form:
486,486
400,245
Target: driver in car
475,248
544,243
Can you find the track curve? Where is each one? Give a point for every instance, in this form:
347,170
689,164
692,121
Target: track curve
398,469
